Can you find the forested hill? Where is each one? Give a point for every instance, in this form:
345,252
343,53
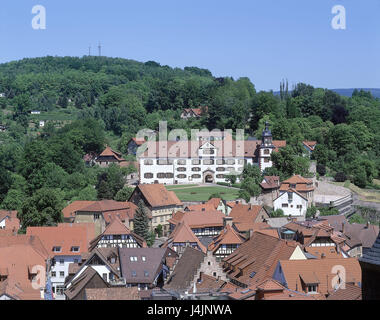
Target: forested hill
93,101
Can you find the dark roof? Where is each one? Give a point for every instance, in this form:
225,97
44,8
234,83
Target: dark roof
141,271
79,283
373,255
185,270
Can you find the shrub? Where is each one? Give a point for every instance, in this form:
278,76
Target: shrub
340,177
321,169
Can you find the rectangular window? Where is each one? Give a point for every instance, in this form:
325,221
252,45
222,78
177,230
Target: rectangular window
196,162
61,274
74,249
285,205
56,249
61,261
53,274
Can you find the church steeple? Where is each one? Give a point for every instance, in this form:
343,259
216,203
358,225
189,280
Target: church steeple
267,139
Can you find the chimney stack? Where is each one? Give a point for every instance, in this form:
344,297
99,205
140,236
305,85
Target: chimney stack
367,225
342,227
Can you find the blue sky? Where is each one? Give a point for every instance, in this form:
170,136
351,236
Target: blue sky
265,40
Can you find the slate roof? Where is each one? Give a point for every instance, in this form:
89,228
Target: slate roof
185,270
79,283
373,255
141,271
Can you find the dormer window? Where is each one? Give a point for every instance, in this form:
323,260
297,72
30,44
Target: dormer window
133,258
143,258
56,249
74,249
134,274
312,289
146,274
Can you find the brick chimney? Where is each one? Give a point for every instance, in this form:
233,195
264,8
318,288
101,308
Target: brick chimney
342,227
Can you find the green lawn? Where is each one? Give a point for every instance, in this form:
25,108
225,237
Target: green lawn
203,193
180,186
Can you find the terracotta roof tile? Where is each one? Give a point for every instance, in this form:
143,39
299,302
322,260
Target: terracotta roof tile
321,270
131,293
64,236
158,196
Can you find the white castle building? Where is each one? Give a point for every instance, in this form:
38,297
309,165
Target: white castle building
204,160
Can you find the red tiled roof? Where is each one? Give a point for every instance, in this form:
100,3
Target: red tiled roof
227,236
270,182
19,256
263,252
199,219
158,196
69,211
175,149
108,152
182,233
321,271
64,236
310,144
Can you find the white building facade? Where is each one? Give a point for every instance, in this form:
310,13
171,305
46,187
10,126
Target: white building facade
188,162
292,203
59,270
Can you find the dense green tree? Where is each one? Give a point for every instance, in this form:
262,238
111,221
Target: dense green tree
141,221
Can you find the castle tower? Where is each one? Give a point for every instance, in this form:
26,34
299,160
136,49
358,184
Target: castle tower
266,149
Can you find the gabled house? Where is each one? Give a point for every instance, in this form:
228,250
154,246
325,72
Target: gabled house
109,156
160,202
211,205
65,244
226,242
183,237
89,279
115,235
309,146
202,223
193,112
100,212
247,218
301,185
292,203
105,261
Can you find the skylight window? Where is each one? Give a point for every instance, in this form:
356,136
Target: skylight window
143,258
133,258
146,273
252,274
134,274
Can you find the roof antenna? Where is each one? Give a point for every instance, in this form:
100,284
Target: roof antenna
89,51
